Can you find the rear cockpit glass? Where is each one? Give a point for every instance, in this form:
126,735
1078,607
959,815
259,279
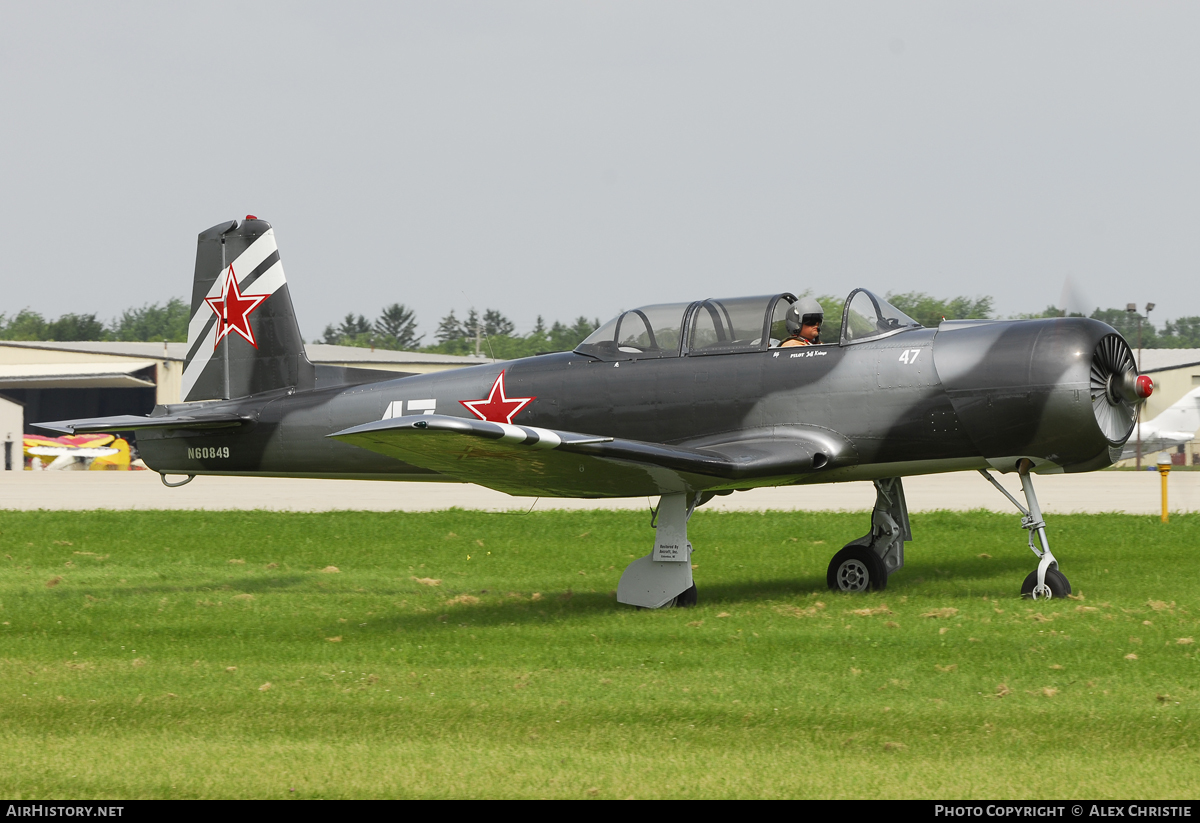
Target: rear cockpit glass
739,324
867,315
731,325
648,332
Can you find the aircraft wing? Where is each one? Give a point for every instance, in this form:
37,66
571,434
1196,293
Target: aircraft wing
1154,443
133,422
525,460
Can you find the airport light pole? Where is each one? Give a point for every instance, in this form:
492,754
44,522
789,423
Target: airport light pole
1149,308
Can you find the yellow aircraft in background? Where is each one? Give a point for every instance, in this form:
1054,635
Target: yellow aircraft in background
81,452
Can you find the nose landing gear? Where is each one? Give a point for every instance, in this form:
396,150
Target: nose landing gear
1047,582
1056,582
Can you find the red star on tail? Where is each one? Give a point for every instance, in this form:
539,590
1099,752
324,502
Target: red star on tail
497,408
233,310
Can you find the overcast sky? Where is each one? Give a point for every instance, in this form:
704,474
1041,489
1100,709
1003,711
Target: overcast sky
567,158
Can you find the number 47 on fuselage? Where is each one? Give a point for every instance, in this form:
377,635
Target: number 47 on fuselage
683,401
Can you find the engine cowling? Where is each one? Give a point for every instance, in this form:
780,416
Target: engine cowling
1061,391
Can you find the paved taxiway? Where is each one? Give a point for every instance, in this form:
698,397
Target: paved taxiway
1123,491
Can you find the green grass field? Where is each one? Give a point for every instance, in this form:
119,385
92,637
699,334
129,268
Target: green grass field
231,654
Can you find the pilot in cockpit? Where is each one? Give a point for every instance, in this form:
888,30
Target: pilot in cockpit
803,323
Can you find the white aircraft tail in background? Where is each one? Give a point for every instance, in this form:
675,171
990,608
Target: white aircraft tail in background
1173,427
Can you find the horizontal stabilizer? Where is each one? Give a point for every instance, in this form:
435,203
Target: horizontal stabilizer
134,422
527,460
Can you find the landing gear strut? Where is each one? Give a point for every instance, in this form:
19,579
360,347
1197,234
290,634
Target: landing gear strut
663,578
1047,582
867,562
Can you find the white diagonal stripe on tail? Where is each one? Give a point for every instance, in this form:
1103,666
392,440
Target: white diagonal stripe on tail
268,282
193,370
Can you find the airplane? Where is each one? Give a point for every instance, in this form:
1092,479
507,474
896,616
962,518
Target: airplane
1173,427
72,453
683,401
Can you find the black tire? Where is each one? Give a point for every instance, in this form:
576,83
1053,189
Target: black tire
856,569
1056,580
685,599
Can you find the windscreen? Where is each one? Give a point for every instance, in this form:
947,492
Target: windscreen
868,315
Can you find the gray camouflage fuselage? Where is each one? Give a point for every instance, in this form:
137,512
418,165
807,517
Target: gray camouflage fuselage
966,396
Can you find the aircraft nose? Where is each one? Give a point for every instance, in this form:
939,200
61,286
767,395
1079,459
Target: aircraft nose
1024,388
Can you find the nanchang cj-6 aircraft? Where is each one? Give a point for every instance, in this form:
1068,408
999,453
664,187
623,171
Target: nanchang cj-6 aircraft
684,401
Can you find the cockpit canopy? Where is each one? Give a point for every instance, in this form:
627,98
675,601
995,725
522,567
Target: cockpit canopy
731,325
867,316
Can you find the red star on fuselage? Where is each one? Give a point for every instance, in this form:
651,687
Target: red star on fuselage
497,408
233,310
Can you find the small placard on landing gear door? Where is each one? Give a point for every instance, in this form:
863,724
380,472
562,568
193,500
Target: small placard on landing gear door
670,552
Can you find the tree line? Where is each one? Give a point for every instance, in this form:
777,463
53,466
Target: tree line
151,322
1181,333
490,334
396,326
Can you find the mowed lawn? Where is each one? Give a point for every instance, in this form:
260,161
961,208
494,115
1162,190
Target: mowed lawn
463,654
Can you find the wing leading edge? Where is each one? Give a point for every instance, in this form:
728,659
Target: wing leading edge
526,460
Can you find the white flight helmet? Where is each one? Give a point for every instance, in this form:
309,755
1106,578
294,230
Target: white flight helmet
803,311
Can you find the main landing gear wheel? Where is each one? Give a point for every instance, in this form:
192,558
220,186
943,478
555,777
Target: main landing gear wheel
1056,581
856,569
685,599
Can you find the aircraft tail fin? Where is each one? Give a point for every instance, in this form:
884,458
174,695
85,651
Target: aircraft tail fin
1182,416
243,337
